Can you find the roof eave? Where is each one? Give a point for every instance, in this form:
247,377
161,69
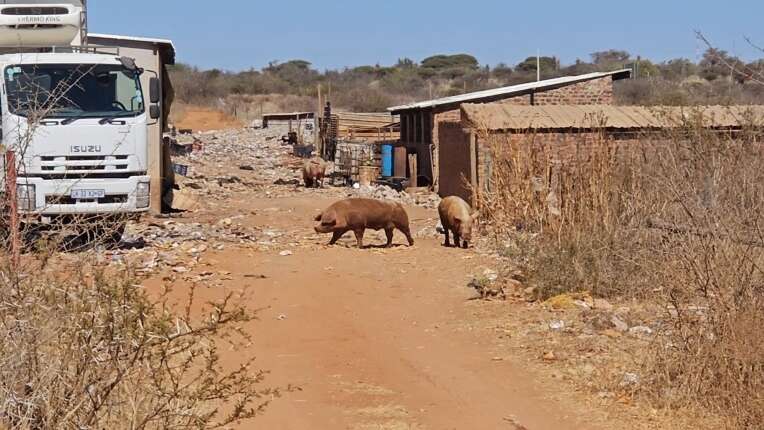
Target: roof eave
508,92
165,44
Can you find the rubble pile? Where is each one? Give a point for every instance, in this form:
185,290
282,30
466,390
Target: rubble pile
213,170
427,200
229,161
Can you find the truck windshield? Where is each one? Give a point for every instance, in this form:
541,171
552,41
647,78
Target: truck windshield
73,90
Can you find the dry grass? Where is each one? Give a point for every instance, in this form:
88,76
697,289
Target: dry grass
675,220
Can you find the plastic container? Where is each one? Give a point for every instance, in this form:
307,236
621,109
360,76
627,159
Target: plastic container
387,161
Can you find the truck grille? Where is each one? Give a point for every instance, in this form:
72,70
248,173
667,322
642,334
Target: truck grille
35,11
66,200
80,164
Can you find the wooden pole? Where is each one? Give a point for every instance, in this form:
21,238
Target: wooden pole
316,124
413,169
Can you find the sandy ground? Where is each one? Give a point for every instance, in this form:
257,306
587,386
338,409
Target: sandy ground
374,338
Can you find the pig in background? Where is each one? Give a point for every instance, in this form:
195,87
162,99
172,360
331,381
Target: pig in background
359,214
314,172
457,217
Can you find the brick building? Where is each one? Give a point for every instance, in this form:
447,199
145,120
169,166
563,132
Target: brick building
561,134
420,121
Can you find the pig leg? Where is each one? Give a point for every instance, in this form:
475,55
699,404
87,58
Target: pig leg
457,239
389,233
448,238
359,237
405,230
336,236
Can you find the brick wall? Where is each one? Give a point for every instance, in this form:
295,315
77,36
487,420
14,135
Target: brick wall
557,149
596,91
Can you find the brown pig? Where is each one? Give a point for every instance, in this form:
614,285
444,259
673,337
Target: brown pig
457,217
358,214
313,172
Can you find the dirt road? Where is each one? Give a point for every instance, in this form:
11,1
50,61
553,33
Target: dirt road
375,338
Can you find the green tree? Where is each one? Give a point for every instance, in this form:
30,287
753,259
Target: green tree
548,65
442,62
610,58
717,63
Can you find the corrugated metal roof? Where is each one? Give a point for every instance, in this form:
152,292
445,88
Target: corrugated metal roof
512,90
498,116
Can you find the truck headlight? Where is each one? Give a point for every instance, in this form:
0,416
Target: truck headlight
142,195
26,195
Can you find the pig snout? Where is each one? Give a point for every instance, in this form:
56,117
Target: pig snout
325,223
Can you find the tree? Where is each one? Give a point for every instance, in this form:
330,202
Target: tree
442,62
405,63
610,57
579,68
502,71
717,63
677,69
548,65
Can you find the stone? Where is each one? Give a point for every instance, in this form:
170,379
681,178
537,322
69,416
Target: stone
629,379
602,304
640,330
619,324
557,325
588,369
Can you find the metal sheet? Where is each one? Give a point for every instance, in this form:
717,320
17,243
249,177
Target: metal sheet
509,91
498,116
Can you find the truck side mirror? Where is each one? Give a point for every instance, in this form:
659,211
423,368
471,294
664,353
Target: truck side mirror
154,91
154,112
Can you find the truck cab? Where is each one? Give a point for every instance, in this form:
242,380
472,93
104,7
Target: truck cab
81,121
78,125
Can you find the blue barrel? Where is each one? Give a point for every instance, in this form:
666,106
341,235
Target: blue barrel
387,161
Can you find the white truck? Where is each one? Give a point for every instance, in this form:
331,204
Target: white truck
75,116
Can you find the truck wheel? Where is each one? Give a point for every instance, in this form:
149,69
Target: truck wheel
108,235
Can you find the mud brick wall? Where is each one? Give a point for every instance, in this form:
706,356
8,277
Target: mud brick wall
595,91
558,149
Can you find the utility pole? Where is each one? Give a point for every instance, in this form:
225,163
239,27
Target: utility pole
538,65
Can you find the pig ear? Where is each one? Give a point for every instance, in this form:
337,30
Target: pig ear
329,218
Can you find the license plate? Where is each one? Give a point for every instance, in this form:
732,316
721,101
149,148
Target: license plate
88,194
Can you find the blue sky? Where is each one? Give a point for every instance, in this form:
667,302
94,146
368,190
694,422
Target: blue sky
239,34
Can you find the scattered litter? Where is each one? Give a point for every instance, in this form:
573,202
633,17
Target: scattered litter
557,325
